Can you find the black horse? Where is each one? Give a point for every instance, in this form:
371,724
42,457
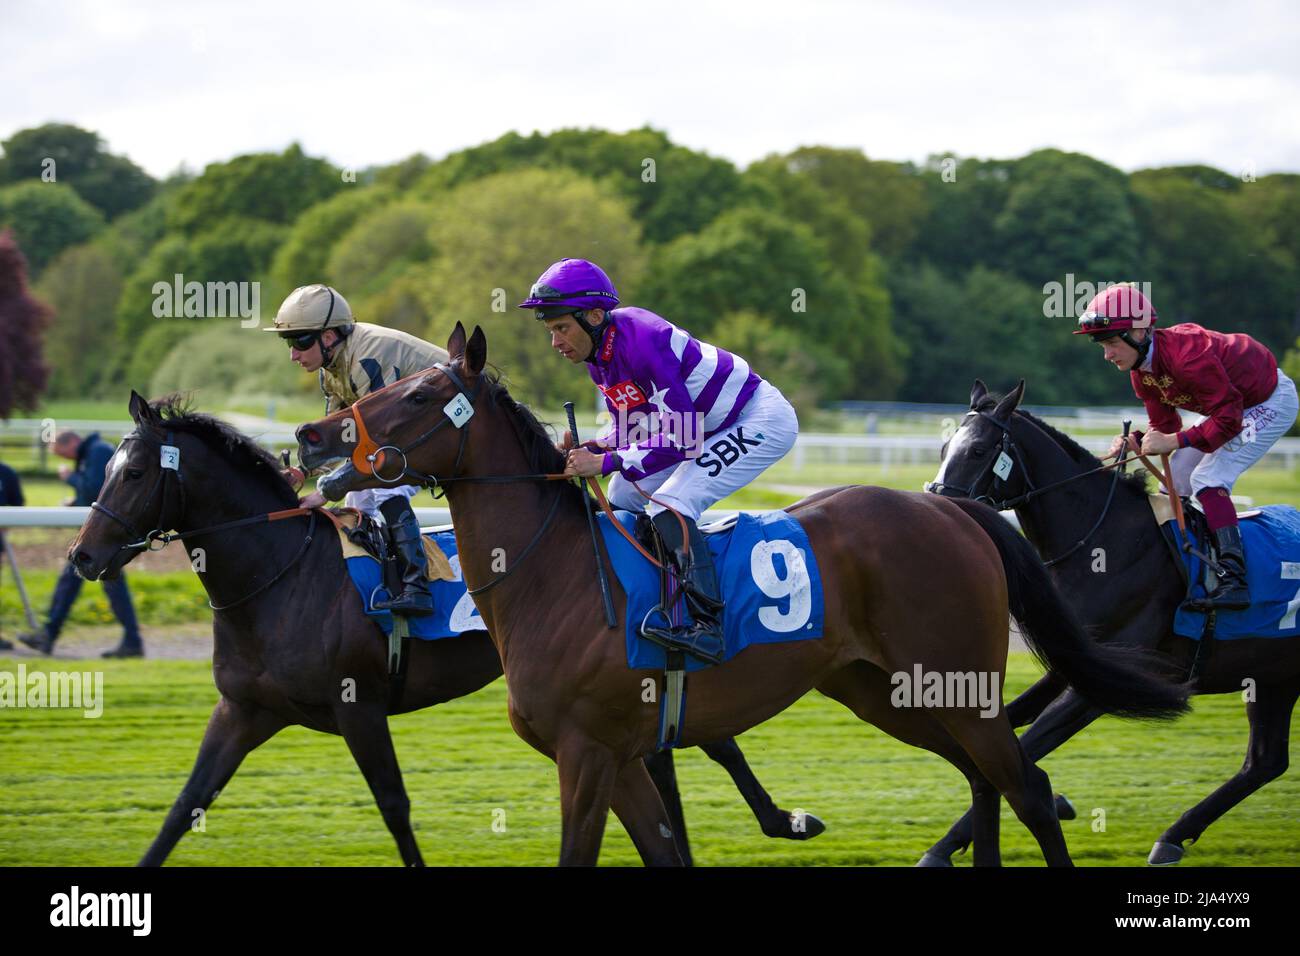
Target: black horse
1128,597
292,644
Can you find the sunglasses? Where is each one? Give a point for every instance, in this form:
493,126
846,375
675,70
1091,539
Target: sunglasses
302,342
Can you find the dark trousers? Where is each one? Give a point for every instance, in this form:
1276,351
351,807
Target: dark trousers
119,599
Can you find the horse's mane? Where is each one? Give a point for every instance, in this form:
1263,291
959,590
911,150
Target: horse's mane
1136,480
247,456
538,444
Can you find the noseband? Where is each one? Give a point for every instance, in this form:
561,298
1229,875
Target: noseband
369,455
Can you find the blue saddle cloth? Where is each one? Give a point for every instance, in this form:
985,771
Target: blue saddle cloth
1272,543
454,611
768,575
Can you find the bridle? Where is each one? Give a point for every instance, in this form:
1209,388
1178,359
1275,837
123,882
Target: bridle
169,461
369,456
1000,469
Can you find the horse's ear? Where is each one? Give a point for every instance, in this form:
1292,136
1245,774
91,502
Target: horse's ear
141,412
476,352
1010,402
978,392
456,343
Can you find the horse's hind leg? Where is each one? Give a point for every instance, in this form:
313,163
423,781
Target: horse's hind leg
365,729
1266,759
993,746
637,804
663,773
1063,718
234,730
774,821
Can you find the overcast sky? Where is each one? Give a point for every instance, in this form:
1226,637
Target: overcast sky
368,81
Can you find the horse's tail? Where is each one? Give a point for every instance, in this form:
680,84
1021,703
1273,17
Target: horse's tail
1115,677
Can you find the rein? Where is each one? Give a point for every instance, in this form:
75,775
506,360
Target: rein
1009,454
170,463
369,455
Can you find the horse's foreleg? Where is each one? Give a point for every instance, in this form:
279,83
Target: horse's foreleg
637,804
234,730
1266,759
587,774
774,821
365,728
663,773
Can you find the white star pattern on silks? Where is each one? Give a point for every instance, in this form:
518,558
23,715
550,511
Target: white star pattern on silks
633,457
657,397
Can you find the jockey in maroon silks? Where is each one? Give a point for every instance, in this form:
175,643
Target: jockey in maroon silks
1231,379
691,423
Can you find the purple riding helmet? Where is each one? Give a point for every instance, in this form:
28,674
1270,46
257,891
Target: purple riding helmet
573,286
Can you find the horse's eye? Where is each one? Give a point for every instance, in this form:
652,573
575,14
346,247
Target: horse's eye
977,453
419,398
134,473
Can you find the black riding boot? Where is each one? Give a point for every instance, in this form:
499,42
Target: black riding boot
703,596
1232,594
404,532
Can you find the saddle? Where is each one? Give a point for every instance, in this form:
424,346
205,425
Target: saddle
361,535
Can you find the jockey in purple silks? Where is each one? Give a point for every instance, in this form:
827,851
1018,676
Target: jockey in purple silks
691,423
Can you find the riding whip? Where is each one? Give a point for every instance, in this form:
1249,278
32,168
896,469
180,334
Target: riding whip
610,618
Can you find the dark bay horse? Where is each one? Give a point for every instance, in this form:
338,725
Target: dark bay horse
291,642
912,581
1130,601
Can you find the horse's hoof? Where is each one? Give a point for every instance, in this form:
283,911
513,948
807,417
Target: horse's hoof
797,826
1064,808
932,859
1165,854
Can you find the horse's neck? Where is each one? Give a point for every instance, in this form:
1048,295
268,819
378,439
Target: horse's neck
232,563
496,522
1058,520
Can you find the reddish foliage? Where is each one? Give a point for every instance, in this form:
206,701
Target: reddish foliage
23,372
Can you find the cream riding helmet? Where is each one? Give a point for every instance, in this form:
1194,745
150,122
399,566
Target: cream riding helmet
307,312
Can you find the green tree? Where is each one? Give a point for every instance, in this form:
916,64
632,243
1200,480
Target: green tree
494,236
756,260
82,286
771,184
1068,213
381,244
672,190
1210,263
301,259
224,361
76,157
47,218
888,196
963,199
276,187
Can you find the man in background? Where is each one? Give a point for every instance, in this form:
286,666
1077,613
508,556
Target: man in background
90,456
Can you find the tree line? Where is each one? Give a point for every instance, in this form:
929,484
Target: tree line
838,276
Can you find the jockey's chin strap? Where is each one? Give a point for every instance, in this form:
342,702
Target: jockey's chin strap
169,461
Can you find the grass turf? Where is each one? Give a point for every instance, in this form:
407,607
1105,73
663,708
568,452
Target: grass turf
84,792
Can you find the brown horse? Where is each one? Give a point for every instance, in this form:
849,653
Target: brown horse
912,581
291,641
